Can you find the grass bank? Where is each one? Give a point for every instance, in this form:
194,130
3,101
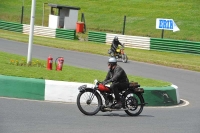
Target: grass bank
108,15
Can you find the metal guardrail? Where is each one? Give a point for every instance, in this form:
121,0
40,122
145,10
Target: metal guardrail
65,34
11,26
97,36
40,31
101,37
175,45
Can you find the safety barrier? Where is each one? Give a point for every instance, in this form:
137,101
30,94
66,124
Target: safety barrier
39,89
130,41
65,34
148,43
175,45
101,37
40,31
97,36
16,27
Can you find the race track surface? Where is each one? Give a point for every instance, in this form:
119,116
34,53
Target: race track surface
36,116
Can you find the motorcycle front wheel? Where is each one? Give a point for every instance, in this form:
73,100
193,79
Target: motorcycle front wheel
134,102
124,58
89,102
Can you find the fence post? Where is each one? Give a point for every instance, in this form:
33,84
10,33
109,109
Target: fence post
83,20
22,15
162,33
124,25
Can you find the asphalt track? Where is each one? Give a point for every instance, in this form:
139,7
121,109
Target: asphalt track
39,117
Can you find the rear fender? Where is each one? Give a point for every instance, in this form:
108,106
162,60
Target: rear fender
139,90
138,93
136,90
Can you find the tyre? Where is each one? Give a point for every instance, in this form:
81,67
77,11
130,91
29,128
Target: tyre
134,103
112,54
124,58
89,102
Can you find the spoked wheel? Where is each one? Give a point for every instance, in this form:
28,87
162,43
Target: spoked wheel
134,103
89,102
112,54
124,58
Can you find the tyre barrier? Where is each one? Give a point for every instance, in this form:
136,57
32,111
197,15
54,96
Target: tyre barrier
61,91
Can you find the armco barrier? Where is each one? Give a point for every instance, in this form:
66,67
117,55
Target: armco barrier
38,30
101,37
147,43
97,37
11,26
50,90
130,41
175,45
65,34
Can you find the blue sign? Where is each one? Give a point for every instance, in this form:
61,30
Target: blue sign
166,24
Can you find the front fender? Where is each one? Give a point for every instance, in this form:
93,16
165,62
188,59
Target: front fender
82,88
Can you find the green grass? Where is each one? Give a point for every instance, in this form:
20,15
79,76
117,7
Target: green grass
15,65
177,60
186,61
107,15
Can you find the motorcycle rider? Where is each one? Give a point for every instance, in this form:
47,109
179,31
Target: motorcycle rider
119,80
115,44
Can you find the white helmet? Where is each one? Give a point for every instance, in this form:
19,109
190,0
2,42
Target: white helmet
112,61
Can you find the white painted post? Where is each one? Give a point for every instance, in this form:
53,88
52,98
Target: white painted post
29,56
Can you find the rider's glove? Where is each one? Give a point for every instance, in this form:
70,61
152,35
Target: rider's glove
106,82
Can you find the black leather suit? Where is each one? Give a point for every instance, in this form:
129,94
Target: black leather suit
119,80
114,45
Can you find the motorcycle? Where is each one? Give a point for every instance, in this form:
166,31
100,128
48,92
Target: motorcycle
99,97
119,54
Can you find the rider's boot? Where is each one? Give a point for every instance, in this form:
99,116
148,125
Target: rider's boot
118,105
109,104
110,100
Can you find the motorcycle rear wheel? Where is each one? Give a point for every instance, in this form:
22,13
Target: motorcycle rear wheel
89,102
135,103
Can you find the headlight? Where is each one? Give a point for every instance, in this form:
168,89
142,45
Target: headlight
95,81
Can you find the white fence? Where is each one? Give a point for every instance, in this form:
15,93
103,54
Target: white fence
130,41
40,31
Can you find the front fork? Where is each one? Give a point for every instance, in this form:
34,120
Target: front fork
91,97
122,51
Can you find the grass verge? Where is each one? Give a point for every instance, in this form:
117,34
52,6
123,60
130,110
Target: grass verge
14,65
177,60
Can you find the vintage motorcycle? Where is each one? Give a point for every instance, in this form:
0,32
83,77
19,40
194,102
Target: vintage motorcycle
119,54
91,100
